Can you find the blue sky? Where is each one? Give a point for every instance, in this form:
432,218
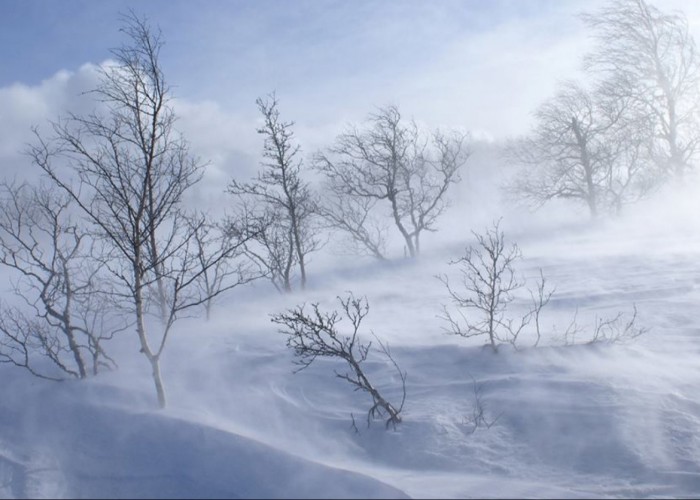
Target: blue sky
222,47
44,34
479,65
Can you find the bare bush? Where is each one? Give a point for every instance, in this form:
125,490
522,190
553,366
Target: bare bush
478,418
487,284
611,330
617,329
313,334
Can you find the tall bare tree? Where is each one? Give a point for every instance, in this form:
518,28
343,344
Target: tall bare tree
652,58
65,319
280,201
587,146
130,169
390,164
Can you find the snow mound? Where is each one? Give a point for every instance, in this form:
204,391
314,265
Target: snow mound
62,446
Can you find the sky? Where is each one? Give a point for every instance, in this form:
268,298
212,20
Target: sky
295,39
476,65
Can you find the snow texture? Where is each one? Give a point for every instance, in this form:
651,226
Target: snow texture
581,420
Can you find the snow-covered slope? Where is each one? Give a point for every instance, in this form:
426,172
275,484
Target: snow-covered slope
568,421
57,442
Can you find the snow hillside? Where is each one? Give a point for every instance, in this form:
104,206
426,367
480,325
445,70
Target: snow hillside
577,420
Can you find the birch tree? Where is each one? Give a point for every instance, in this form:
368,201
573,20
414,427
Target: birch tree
126,168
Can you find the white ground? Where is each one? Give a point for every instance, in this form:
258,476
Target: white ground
598,420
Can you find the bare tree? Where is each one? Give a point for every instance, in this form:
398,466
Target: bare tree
130,170
487,284
562,156
315,334
653,60
587,146
65,319
390,164
283,199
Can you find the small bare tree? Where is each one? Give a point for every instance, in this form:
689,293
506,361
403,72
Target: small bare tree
130,171
65,319
390,164
283,199
487,286
652,58
315,334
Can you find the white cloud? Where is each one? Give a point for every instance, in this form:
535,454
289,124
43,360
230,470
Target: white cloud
227,142
23,107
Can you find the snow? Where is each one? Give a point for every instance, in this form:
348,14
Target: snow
574,421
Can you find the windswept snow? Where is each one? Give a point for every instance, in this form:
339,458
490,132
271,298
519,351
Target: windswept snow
64,445
598,420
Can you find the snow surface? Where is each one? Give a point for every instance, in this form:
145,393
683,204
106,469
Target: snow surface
600,420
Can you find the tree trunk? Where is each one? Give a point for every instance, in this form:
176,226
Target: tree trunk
72,344
591,198
153,359
394,416
158,380
287,271
297,246
402,229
